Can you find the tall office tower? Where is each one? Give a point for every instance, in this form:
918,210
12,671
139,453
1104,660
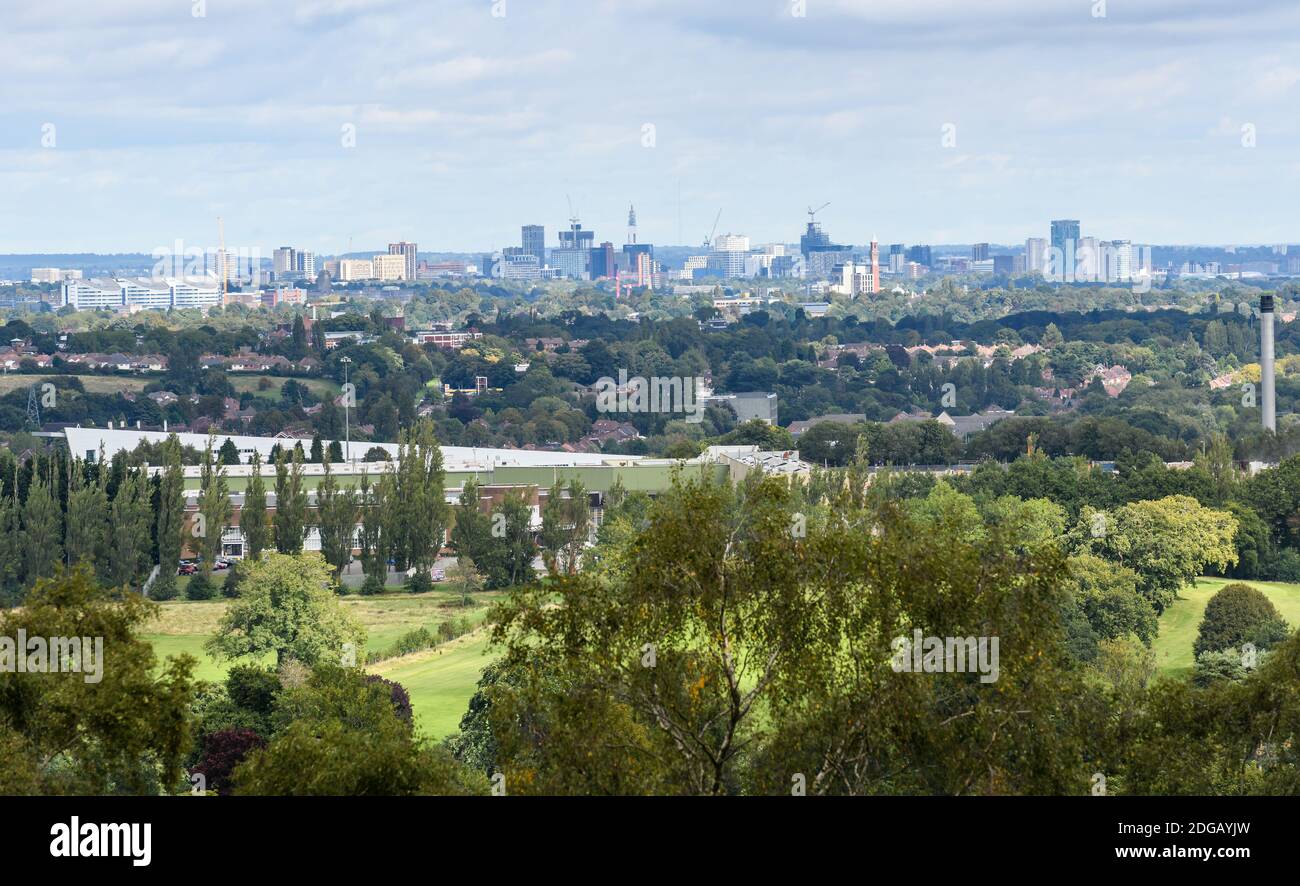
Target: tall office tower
979,252
576,238
389,268
1117,261
1035,254
875,265
631,225
534,242
282,260
602,261
920,255
1269,403
408,251
305,263
1065,240
897,258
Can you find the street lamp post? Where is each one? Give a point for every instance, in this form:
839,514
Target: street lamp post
347,399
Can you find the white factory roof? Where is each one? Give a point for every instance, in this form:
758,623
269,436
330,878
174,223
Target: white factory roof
83,442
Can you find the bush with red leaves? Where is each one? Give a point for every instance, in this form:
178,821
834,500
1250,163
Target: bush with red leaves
401,699
223,750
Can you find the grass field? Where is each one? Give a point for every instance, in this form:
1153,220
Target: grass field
1181,621
440,681
321,387
94,384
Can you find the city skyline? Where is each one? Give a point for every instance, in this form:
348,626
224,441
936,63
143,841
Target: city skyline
1165,122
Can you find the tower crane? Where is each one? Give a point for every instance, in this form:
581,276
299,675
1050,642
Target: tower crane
708,241
812,213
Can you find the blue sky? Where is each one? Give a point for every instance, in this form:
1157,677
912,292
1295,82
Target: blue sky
469,123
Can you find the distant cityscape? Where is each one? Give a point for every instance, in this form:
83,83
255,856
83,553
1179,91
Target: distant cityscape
181,276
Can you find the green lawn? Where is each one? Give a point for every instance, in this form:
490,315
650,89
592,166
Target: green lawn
321,387
440,681
1181,621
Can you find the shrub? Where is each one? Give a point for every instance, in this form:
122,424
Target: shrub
201,586
400,697
222,752
372,585
1212,667
1232,617
419,582
230,587
164,588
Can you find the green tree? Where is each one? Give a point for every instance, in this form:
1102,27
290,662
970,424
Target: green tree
42,528
1234,615
131,517
1167,542
290,504
419,508
215,509
336,515
229,453
285,606
508,560
252,518
87,521
344,738
471,531
125,731
171,513
566,526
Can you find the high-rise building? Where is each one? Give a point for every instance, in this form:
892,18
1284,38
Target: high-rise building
875,265
389,268
921,256
282,261
897,258
602,261
576,238
979,252
821,255
1035,255
1117,261
408,252
729,253
356,269
1060,263
534,242
1088,260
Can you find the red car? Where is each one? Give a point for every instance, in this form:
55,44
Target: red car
187,569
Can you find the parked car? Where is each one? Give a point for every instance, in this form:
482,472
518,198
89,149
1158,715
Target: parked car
187,569
438,575
220,564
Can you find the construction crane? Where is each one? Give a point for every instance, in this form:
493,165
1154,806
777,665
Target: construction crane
812,213
708,241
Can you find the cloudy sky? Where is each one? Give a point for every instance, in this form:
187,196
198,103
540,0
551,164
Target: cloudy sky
127,124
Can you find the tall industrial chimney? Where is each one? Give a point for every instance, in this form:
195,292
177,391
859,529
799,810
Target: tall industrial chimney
1269,405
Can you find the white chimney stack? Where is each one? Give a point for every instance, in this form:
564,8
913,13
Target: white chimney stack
1266,369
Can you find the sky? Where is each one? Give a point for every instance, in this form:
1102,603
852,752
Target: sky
127,125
